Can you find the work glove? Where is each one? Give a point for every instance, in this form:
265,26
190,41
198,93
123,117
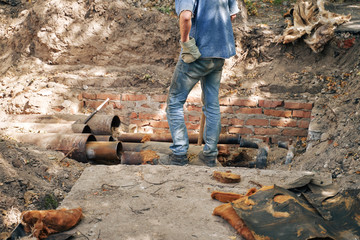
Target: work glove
190,52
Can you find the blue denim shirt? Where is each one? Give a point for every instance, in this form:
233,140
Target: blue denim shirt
211,25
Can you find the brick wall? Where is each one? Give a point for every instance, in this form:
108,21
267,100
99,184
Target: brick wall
261,118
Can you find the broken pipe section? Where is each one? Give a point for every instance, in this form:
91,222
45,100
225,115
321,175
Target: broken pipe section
104,152
72,145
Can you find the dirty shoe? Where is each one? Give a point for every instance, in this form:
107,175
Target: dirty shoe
210,161
179,160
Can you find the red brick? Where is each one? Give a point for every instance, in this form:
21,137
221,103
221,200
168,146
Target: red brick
133,115
192,99
294,132
270,104
159,98
236,121
162,106
303,124
228,101
283,123
91,96
240,130
161,131
145,106
277,113
140,122
159,124
298,105
301,114
133,97
152,116
267,131
227,109
80,97
193,108
243,102
224,101
194,118
111,96
225,121
257,122
249,110
94,104
192,126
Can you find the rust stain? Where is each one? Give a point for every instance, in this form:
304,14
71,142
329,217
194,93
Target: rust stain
244,203
299,232
270,210
264,188
282,198
146,138
148,156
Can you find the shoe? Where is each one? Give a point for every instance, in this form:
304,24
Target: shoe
179,160
210,161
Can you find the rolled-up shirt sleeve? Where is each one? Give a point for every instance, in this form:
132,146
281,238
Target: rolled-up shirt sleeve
182,5
233,7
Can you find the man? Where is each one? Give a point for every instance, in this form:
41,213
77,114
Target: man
207,39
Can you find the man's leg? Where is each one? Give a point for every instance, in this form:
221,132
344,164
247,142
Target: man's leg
210,86
180,87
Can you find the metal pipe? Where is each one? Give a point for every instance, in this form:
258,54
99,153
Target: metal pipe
64,128
193,138
105,138
102,124
131,158
104,152
72,144
137,158
99,124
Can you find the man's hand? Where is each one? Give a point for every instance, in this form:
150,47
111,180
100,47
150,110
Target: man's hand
190,51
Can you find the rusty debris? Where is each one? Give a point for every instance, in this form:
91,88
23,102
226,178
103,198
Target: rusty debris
226,177
309,212
45,222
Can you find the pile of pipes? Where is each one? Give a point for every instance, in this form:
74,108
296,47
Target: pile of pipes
92,139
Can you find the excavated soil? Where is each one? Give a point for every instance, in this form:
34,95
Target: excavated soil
52,50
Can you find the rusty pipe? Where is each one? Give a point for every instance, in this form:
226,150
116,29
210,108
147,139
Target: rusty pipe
72,144
193,138
137,158
99,124
131,158
105,138
102,124
104,152
64,128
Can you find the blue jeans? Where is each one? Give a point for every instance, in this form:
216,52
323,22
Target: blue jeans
186,75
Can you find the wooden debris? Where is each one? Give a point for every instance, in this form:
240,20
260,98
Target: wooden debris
226,177
310,19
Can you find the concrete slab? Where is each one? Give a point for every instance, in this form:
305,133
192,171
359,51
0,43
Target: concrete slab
161,202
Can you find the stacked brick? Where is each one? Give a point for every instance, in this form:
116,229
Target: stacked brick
260,118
